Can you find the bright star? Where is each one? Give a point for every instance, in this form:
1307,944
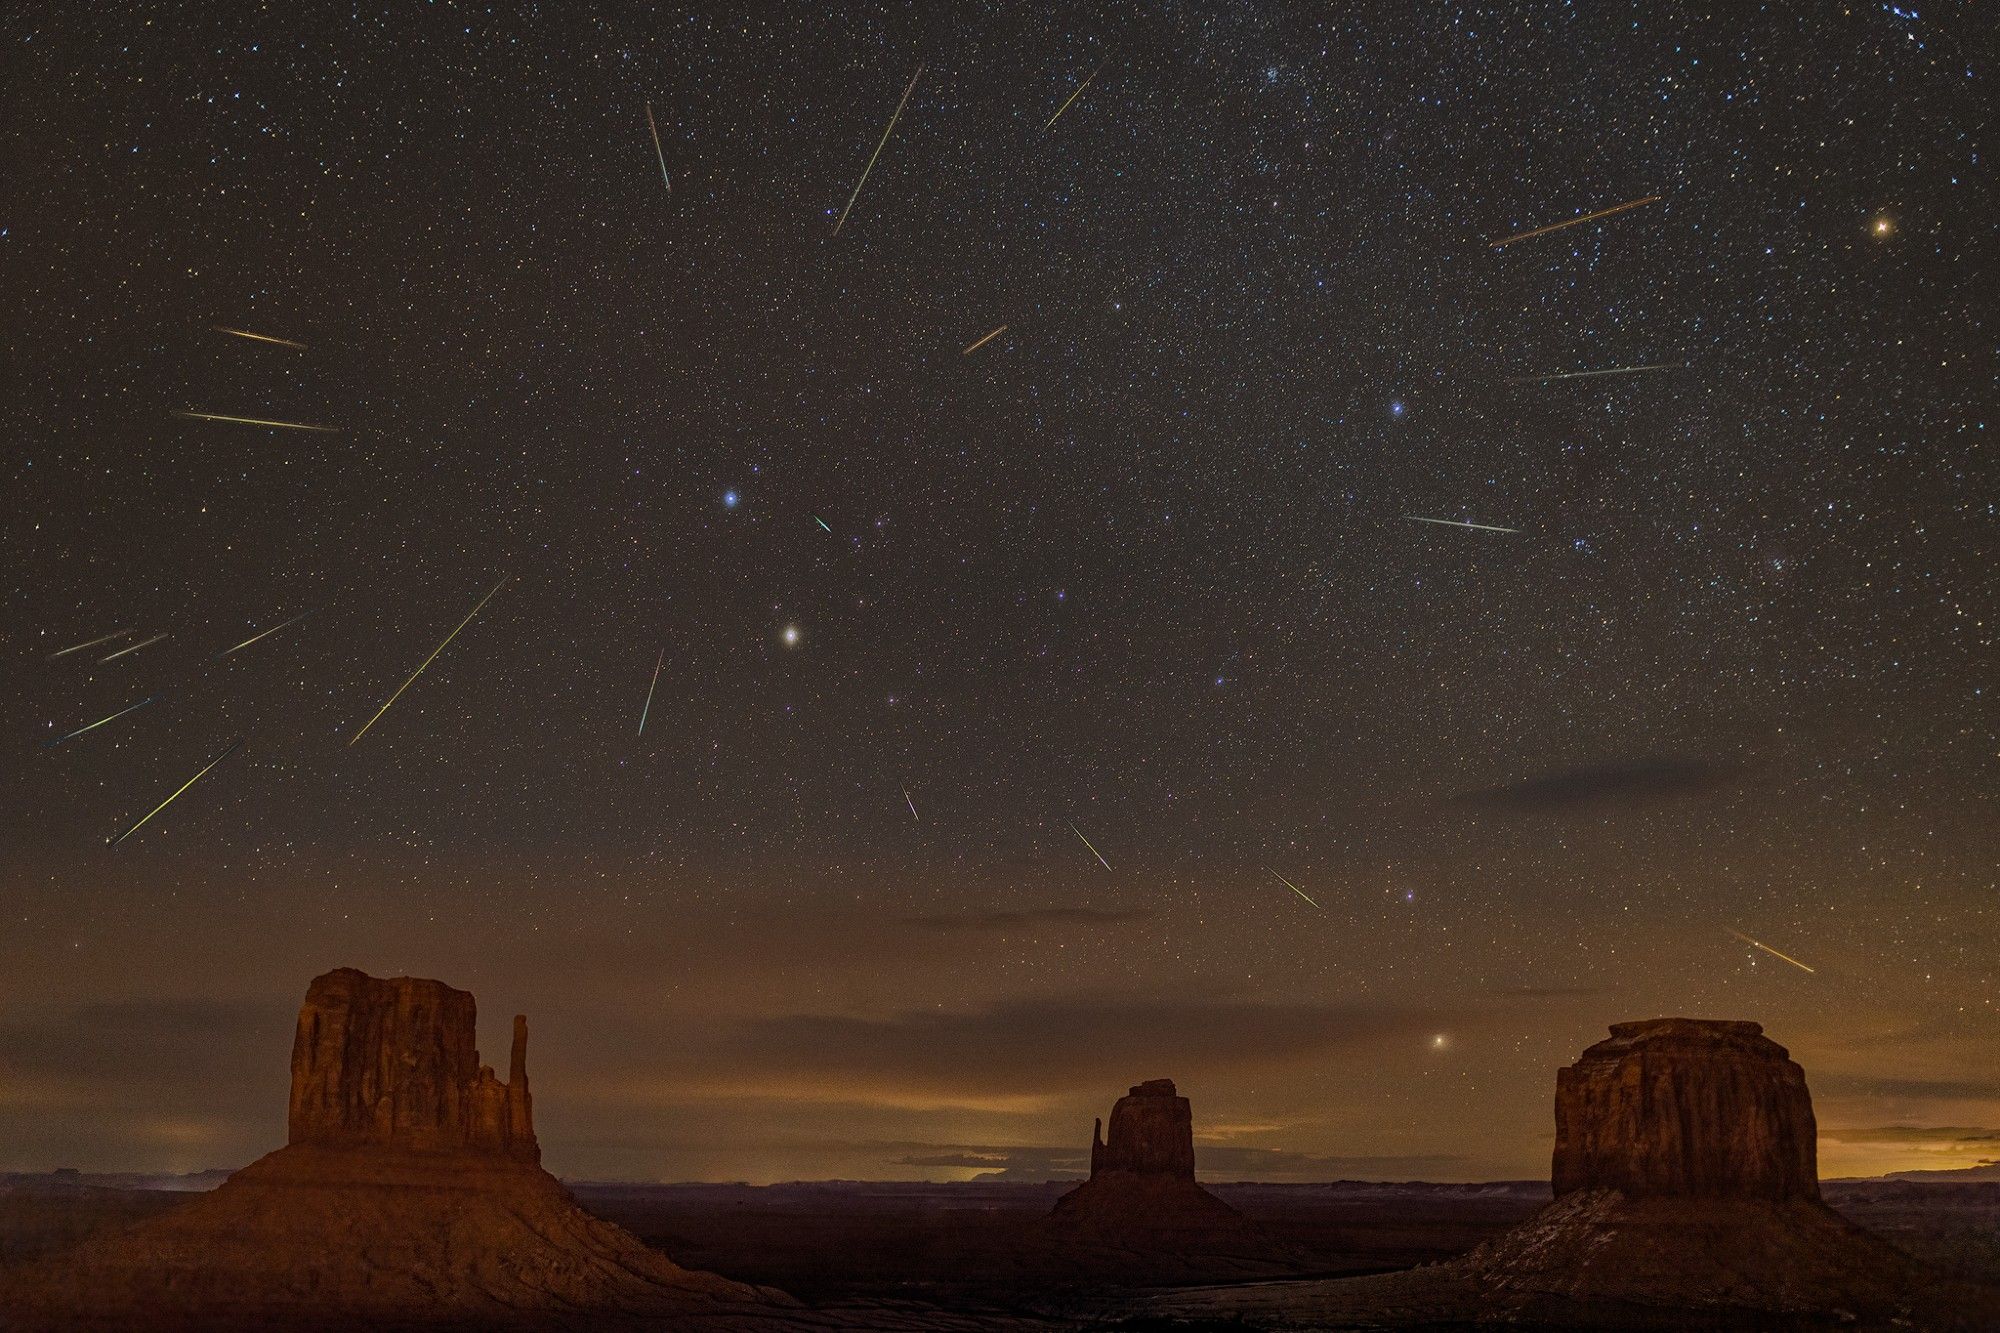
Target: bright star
790,636
1396,408
1884,225
729,499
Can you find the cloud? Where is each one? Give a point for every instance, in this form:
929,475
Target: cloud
1626,782
1546,992
1940,1137
1918,1089
1213,1162
183,1044
1031,919
1017,1055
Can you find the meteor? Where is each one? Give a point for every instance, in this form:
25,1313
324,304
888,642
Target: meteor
1293,887
1454,523
649,691
1757,944
1073,96
50,745
822,522
878,150
144,643
428,660
657,150
92,643
912,804
1573,222
983,341
233,747
258,337
1086,842
1587,374
257,421
254,637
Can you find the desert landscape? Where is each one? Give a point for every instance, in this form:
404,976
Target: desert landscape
1684,1194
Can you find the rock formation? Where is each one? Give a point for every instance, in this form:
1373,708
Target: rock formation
1686,1197
408,1196
1142,1174
391,1063
1684,1173
1680,1107
1152,1133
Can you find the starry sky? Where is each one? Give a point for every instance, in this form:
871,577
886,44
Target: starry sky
1027,721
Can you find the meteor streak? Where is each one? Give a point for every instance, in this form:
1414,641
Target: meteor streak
1757,944
822,522
1293,887
1454,523
254,637
144,643
257,421
258,337
1587,374
428,660
50,745
1573,222
1086,842
983,341
1073,96
233,747
912,804
92,643
649,691
878,150
657,150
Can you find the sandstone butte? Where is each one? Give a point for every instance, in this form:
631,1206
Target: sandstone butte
409,1194
1685,1174
1686,1196
1142,1171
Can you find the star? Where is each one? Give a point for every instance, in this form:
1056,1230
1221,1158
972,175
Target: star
790,635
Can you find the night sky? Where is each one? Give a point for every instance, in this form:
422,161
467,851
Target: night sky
1139,574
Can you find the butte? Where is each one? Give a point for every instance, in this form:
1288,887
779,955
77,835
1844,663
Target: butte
409,1195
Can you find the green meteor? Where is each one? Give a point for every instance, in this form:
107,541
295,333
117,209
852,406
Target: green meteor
1086,842
1293,887
50,745
427,661
234,746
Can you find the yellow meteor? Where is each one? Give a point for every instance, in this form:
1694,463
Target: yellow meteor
144,643
649,691
427,661
1756,944
233,747
258,337
878,150
1086,842
983,341
1073,96
264,634
1293,887
1591,374
1574,222
256,421
91,643
657,150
